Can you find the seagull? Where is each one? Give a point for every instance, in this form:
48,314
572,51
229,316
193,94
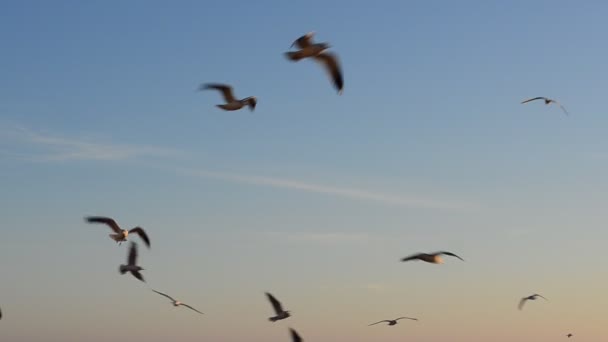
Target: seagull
231,102
278,309
308,49
393,321
131,265
433,258
532,297
548,101
295,337
0,314
120,234
177,303
569,335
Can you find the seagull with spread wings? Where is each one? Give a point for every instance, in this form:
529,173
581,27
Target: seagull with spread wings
548,101
393,321
295,337
433,258
231,102
278,309
328,60
131,265
177,303
120,235
532,297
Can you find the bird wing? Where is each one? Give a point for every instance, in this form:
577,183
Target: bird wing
522,302
142,234
330,62
191,308
132,259
534,99
295,337
138,275
304,41
412,257
413,319
275,303
378,322
537,295
162,294
106,220
562,107
451,254
225,89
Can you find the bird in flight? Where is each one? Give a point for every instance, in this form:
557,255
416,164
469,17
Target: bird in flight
532,297
433,258
569,335
548,101
120,235
278,309
131,265
177,303
295,337
231,102
393,321
329,60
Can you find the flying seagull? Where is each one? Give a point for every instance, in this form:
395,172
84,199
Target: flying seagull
231,102
548,101
569,335
433,258
393,321
278,309
131,265
120,234
177,303
295,337
532,297
308,49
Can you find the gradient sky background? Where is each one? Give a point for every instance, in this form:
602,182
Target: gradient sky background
314,197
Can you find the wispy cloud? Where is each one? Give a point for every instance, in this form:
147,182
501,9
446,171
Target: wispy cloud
351,193
27,144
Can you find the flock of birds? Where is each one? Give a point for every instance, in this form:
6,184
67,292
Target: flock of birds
308,49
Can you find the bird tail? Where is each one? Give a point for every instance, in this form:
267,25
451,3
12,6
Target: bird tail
122,269
294,55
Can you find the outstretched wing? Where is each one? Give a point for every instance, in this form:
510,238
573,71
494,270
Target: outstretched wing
534,99
225,89
562,107
413,319
142,234
132,259
537,295
276,305
412,257
105,220
379,322
138,275
295,337
451,254
191,308
522,302
163,294
330,62
304,41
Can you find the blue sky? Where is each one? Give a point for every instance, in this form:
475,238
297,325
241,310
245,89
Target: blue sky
314,196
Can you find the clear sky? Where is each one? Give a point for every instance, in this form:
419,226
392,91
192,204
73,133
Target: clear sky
314,197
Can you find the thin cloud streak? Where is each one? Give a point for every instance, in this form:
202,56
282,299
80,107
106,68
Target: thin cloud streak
351,193
53,148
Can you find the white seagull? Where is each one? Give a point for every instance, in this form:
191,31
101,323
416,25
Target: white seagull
308,49
548,101
393,321
177,303
278,309
120,235
131,265
433,258
532,297
231,102
295,337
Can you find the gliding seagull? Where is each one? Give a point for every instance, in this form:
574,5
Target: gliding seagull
433,258
548,101
120,234
393,321
308,49
231,102
278,309
177,303
131,265
532,297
